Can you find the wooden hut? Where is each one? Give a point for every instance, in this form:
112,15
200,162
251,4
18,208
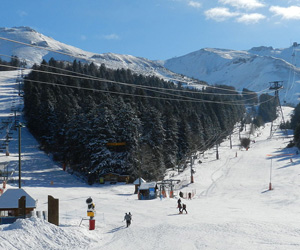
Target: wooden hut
10,209
137,183
147,191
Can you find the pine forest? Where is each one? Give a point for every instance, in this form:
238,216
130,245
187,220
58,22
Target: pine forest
98,120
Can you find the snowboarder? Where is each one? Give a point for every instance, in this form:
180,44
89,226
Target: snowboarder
184,208
127,218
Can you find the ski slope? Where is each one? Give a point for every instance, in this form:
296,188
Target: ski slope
232,207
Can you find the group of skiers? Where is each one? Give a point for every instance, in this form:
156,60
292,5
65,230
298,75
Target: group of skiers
181,207
128,216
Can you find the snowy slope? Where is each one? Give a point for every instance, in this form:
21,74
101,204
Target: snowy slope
253,69
232,207
36,55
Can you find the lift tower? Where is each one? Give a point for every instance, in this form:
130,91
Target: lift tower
276,85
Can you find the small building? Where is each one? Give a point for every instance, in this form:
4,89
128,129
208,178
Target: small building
9,205
147,191
137,183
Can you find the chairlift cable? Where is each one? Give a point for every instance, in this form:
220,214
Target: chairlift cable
239,103
63,53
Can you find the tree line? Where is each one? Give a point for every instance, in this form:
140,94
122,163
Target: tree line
134,128
14,63
295,125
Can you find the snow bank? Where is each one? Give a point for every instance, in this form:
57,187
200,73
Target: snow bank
35,233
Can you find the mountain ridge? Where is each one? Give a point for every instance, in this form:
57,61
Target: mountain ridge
60,51
253,69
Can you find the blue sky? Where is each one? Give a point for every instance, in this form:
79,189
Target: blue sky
159,29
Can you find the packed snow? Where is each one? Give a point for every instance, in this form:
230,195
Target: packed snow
232,208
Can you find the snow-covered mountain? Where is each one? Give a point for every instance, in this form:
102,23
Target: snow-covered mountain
32,54
253,69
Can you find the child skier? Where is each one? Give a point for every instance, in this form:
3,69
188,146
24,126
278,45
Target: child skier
184,208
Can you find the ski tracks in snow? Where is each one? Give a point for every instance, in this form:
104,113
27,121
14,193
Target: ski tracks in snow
218,175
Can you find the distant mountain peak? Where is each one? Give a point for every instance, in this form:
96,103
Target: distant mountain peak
261,48
19,28
69,53
253,69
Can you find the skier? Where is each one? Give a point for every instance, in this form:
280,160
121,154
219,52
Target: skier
179,208
127,217
178,202
184,208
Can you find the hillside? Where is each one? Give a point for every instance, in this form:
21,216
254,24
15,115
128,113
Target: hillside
253,69
35,53
232,207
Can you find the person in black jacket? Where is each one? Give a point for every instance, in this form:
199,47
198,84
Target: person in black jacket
127,218
184,208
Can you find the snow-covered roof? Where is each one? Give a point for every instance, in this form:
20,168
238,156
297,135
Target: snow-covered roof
147,185
137,181
10,199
